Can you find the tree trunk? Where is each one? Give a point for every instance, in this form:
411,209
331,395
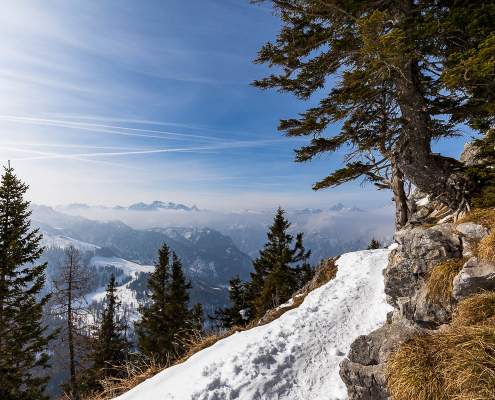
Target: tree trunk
439,176
400,198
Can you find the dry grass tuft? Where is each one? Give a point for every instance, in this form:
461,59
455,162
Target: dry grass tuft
412,373
481,216
467,362
475,310
134,372
325,272
486,247
439,285
456,363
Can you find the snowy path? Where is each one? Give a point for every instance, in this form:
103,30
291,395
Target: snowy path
297,356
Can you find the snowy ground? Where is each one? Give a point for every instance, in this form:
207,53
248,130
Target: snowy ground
295,357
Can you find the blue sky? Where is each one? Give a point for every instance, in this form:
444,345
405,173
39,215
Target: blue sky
112,102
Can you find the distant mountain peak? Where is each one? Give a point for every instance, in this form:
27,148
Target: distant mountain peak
160,205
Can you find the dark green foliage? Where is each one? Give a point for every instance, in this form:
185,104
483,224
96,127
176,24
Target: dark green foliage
483,172
166,320
110,347
280,270
389,73
23,338
237,313
374,244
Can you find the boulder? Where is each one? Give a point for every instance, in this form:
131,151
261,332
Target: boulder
472,231
476,275
363,371
419,249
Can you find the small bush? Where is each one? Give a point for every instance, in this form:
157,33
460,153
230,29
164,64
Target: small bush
439,285
486,247
477,309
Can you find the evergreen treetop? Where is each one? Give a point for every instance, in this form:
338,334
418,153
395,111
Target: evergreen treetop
395,74
23,337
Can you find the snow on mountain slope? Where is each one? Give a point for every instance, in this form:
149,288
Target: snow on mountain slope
125,294
295,357
62,242
129,268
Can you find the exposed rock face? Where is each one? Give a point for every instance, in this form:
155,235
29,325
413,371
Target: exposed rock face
420,248
363,371
475,275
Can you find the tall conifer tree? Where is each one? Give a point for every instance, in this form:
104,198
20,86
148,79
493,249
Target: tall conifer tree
153,330
111,346
167,321
281,268
23,338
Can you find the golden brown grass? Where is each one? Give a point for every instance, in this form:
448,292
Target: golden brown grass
411,371
134,372
456,363
477,309
486,247
439,284
481,216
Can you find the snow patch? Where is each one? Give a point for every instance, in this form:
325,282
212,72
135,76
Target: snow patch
63,242
294,357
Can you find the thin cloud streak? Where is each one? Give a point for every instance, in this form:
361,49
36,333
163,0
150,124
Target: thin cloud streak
82,156
46,156
111,129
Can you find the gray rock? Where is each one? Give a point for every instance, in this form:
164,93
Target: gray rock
428,313
476,275
469,155
419,249
363,371
472,231
364,382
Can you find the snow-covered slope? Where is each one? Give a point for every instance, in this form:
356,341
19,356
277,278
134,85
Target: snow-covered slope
62,242
295,357
130,272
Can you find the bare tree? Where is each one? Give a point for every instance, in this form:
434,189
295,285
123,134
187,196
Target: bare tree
70,305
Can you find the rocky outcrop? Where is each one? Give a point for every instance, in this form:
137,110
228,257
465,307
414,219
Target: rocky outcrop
426,241
363,371
476,275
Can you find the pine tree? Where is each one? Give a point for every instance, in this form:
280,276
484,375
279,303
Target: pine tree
166,320
111,347
23,338
278,269
402,74
69,304
182,318
154,330
374,244
237,313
